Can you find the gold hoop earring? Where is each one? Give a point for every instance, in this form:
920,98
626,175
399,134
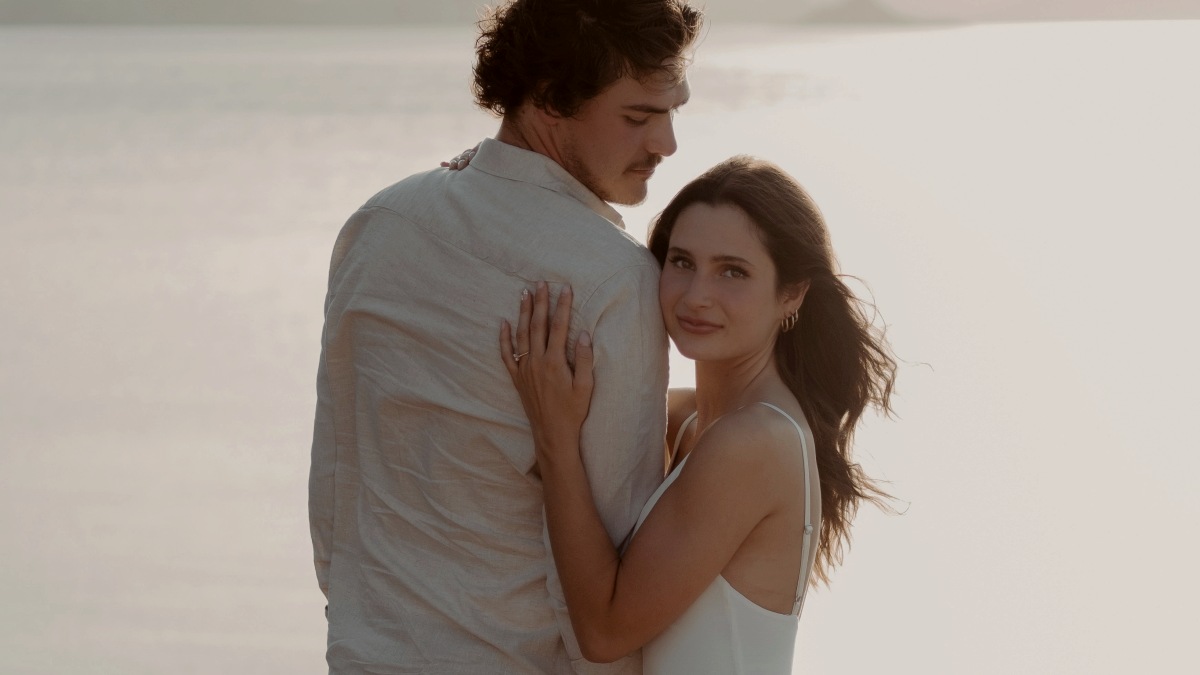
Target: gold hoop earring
789,321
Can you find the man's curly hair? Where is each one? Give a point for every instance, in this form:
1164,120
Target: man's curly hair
557,54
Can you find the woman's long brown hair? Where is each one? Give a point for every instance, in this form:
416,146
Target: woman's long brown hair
835,361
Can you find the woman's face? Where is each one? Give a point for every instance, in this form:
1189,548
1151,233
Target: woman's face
718,286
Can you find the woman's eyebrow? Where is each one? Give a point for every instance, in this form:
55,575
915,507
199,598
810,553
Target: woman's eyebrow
716,258
732,259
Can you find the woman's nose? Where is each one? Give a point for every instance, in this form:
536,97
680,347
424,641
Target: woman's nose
697,293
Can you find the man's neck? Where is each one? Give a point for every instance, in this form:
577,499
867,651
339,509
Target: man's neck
523,131
511,133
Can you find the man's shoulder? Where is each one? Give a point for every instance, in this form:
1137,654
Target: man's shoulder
399,195
495,208
470,196
526,229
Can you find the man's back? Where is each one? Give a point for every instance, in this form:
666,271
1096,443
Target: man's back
424,502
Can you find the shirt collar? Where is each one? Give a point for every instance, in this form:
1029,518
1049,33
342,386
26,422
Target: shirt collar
508,161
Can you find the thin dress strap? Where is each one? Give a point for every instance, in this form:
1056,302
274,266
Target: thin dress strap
679,436
806,547
669,479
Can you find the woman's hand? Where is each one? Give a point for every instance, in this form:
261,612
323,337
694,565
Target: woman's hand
555,397
462,160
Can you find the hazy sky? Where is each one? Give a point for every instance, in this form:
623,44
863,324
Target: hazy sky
1048,9
1018,196
375,11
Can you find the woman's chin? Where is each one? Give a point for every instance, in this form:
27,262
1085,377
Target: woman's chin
690,351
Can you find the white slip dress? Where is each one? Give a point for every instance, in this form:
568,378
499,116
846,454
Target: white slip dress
724,633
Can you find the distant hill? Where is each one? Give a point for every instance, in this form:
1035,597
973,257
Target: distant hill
324,12
855,11
465,12
358,12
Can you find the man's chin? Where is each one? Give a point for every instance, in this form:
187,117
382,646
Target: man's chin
628,201
630,196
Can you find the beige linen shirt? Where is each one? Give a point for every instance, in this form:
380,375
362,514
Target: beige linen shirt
426,513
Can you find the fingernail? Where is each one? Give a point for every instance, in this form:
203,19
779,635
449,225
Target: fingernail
541,285
585,339
567,289
524,294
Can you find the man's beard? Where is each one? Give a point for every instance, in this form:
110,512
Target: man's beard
576,167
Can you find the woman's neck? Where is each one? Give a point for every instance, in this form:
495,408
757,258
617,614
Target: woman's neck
725,386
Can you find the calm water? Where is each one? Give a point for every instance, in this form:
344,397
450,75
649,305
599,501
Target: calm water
1019,198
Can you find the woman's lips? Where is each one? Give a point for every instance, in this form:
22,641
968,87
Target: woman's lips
697,326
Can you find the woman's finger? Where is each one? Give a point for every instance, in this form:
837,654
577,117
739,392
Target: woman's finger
523,327
557,345
537,324
462,160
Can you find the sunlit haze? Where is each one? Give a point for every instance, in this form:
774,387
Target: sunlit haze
1017,197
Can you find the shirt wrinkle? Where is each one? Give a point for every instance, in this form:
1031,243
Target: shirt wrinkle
428,531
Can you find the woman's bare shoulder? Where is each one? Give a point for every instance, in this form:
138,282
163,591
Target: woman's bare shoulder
755,436
748,461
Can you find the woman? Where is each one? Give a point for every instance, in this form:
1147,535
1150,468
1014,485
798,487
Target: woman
762,489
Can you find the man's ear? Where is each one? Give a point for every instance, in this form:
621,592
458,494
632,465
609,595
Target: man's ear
546,116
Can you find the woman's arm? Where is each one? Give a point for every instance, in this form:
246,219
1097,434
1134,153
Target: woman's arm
617,605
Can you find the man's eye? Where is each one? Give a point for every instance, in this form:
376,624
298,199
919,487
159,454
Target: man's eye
636,122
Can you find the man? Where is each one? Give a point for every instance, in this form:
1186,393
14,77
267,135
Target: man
425,503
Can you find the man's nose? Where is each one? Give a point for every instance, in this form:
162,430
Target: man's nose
662,140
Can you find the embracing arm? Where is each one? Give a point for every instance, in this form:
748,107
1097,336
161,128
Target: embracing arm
618,604
621,440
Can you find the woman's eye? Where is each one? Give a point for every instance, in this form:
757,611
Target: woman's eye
735,273
680,262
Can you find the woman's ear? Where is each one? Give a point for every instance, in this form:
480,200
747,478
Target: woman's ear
793,296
